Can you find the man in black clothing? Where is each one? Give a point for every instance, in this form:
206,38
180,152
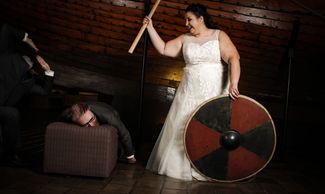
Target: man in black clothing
92,114
17,80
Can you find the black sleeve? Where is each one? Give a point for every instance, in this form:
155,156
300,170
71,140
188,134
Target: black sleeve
64,116
13,32
11,40
43,85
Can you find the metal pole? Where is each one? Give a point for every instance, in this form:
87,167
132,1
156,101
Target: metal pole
291,46
143,71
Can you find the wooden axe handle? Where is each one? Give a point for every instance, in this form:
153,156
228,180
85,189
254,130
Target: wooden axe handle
137,38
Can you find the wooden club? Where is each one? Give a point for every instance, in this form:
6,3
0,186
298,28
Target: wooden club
137,38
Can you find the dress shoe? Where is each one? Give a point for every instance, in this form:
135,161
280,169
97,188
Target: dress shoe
124,159
131,160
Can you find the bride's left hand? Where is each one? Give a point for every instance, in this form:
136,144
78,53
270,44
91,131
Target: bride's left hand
233,91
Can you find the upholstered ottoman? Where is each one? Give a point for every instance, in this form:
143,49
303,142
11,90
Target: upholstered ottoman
87,151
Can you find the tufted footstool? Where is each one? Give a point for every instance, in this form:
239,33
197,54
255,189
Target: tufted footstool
86,151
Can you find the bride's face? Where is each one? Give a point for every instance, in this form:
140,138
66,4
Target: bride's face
193,23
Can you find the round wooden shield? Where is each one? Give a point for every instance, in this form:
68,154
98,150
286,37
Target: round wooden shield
230,140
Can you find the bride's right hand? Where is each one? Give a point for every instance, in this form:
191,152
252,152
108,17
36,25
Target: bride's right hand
147,21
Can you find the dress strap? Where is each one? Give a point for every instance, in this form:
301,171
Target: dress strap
216,34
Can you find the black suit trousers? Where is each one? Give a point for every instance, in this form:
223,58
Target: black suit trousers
10,129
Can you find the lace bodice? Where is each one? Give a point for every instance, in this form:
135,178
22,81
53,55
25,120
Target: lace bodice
201,50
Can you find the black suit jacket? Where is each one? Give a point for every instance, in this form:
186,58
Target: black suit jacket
106,114
16,81
15,78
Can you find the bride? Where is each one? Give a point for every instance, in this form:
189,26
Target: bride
204,47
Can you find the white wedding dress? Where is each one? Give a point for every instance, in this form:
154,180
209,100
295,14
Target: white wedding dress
204,77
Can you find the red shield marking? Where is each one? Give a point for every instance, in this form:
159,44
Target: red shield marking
200,140
246,115
242,163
